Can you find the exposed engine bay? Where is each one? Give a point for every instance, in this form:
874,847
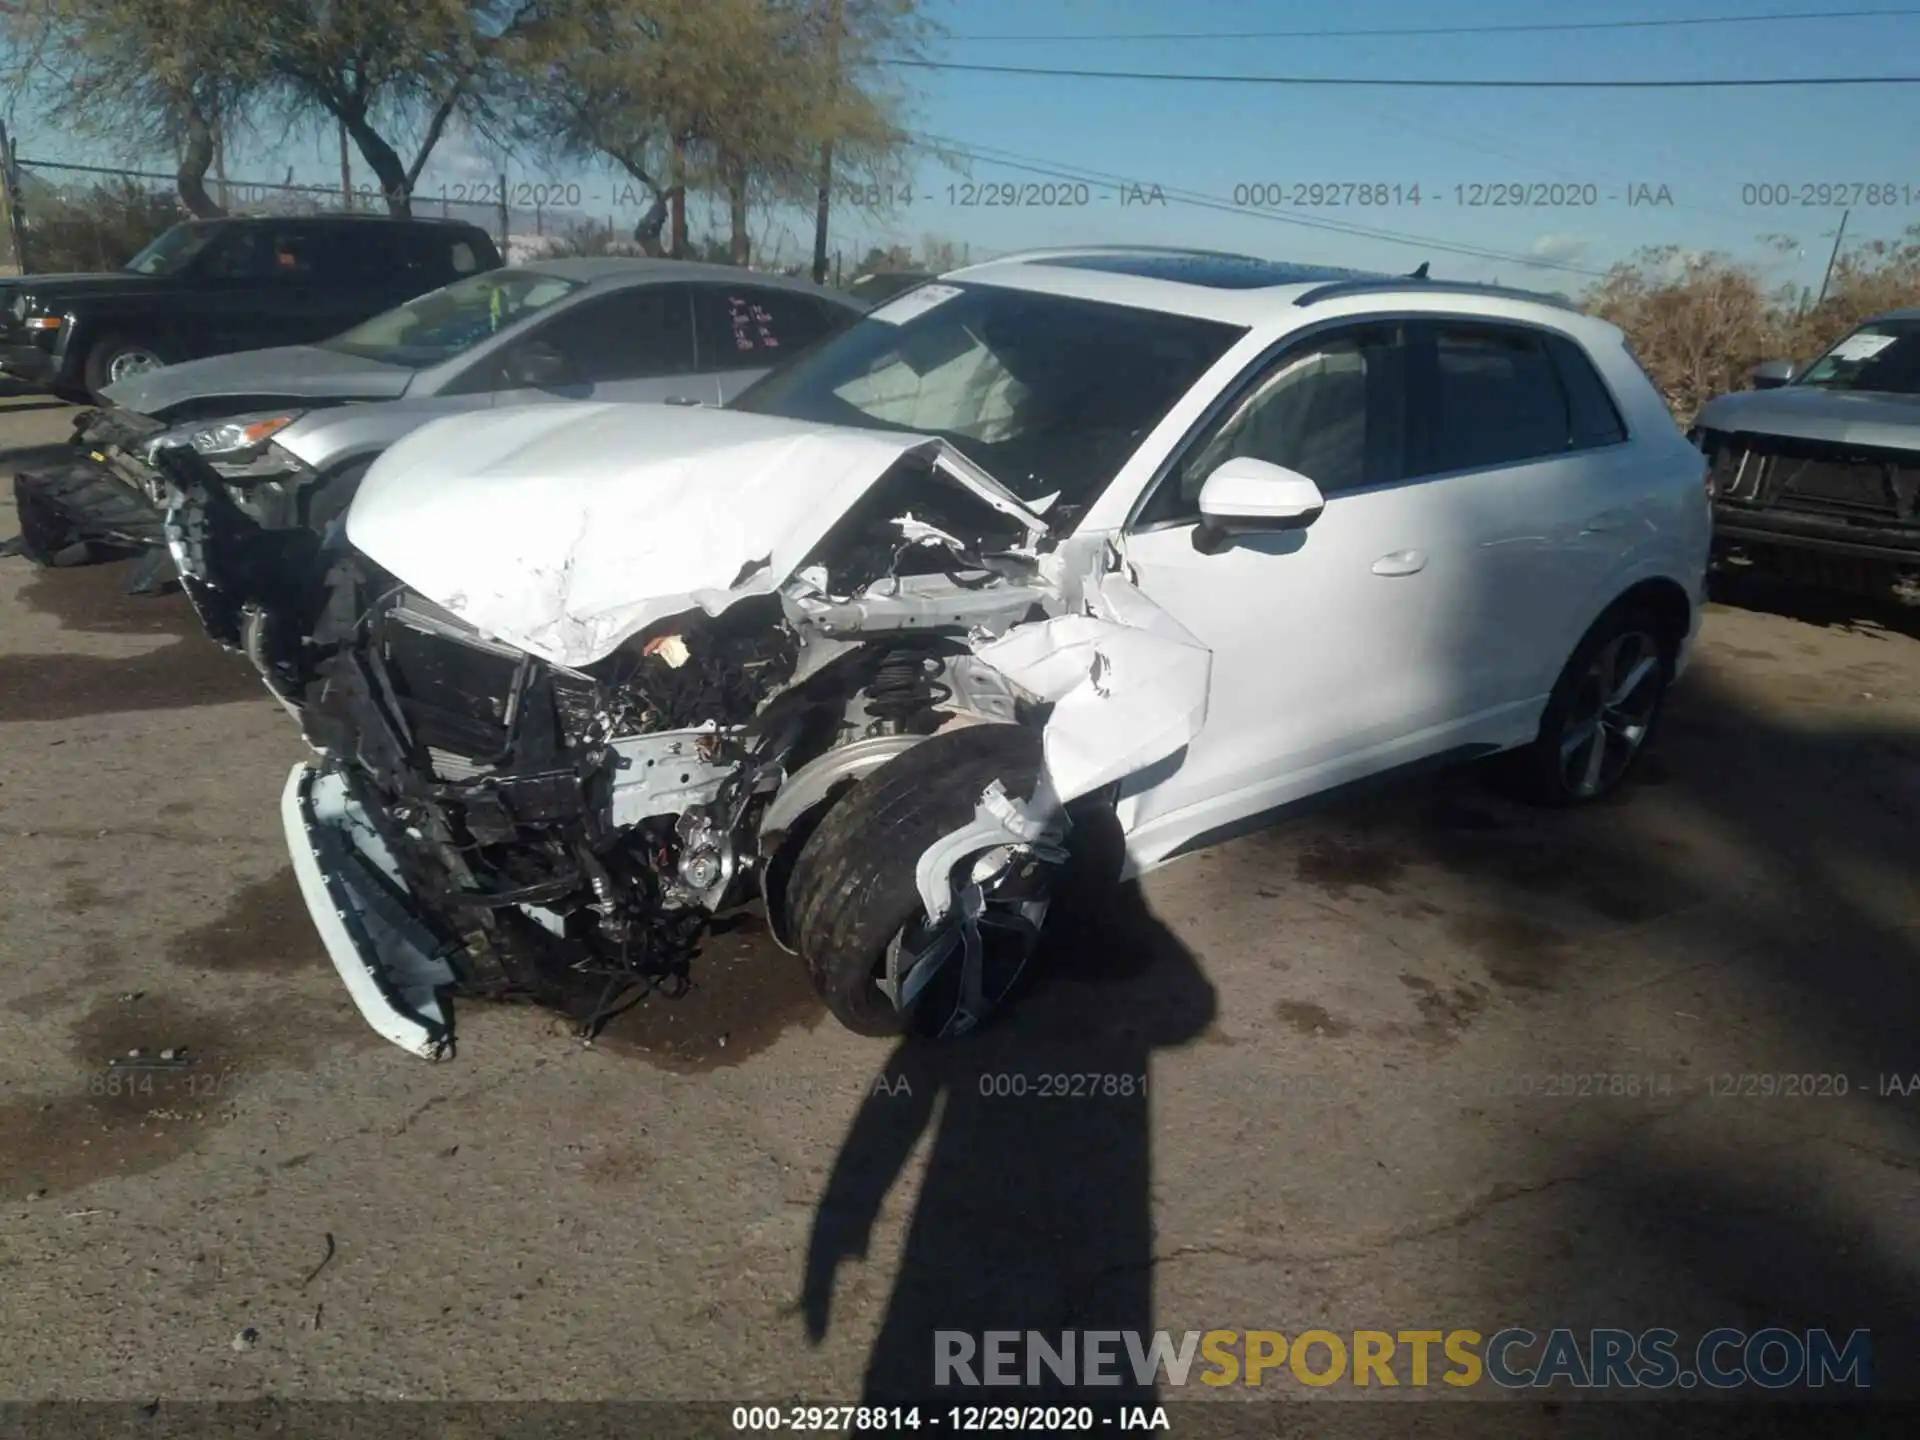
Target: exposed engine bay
492,822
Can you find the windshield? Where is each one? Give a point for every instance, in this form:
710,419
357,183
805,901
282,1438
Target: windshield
443,323
1046,393
1881,355
171,251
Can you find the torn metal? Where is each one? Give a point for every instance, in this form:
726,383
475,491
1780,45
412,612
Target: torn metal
584,677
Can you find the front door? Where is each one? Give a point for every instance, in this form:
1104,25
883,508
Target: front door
1339,649
632,342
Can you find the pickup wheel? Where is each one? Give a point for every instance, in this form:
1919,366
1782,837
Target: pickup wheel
854,911
118,357
1602,712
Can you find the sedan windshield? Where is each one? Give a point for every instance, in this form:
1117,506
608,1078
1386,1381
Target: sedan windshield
1048,394
1882,355
171,251
442,324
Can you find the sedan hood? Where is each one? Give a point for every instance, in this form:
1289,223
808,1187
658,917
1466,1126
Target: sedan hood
1846,417
288,372
565,529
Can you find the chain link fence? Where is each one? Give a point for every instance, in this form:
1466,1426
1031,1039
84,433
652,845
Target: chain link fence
65,217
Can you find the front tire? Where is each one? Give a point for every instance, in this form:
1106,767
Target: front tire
1602,713
854,911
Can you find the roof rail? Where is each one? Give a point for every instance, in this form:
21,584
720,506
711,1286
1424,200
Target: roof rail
1340,289
1044,250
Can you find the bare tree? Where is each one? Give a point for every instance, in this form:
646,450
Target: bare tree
734,98
164,75
390,72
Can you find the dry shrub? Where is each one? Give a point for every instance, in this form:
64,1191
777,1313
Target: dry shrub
98,228
1701,322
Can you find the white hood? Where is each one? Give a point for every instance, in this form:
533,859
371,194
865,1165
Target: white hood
565,529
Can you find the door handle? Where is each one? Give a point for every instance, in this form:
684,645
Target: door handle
1603,525
1401,562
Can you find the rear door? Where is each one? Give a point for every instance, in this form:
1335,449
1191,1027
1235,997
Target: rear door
364,268
633,342
1521,409
742,331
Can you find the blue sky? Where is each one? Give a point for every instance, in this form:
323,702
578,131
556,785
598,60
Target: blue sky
1703,147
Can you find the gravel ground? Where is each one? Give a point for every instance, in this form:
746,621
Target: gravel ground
1343,1029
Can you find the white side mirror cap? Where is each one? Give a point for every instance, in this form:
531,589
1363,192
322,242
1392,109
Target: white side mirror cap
1248,494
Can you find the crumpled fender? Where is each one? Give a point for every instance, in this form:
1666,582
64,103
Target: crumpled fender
1128,684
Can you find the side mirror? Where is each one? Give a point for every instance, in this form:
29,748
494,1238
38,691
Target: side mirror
1772,374
1250,497
537,366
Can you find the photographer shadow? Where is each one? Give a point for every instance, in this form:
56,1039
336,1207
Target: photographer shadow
1035,1213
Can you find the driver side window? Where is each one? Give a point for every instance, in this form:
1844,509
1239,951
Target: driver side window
1333,409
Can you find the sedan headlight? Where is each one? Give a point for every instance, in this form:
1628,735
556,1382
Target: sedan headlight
243,447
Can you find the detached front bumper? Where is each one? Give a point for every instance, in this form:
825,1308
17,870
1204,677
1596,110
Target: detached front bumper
83,501
393,966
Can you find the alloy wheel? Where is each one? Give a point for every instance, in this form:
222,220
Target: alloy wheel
131,362
1611,713
947,976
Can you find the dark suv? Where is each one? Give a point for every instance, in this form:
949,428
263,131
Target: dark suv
209,287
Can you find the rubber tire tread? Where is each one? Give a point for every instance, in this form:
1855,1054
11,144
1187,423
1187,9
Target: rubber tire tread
852,887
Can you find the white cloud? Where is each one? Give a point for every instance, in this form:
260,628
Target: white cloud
1559,248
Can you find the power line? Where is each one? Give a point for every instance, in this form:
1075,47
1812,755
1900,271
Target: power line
1350,81
1513,29
1198,200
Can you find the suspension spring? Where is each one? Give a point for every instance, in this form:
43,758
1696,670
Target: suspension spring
903,686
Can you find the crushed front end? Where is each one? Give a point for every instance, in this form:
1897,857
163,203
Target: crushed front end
488,823
1841,515
559,817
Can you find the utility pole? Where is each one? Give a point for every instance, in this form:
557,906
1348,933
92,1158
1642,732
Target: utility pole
836,21
677,209
220,159
1841,234
346,168
16,259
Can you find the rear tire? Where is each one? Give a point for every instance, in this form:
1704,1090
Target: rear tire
116,357
1601,715
852,895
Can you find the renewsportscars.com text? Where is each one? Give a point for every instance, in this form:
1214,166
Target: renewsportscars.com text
1513,1358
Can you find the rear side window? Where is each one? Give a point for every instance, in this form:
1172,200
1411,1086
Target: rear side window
740,327
436,256
1594,418
1496,400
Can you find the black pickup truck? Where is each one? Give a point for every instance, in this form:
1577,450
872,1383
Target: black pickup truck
210,287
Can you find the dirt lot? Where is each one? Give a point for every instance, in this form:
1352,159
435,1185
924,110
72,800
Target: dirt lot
1345,1030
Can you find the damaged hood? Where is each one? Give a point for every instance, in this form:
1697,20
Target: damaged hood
565,529
1807,412
286,373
